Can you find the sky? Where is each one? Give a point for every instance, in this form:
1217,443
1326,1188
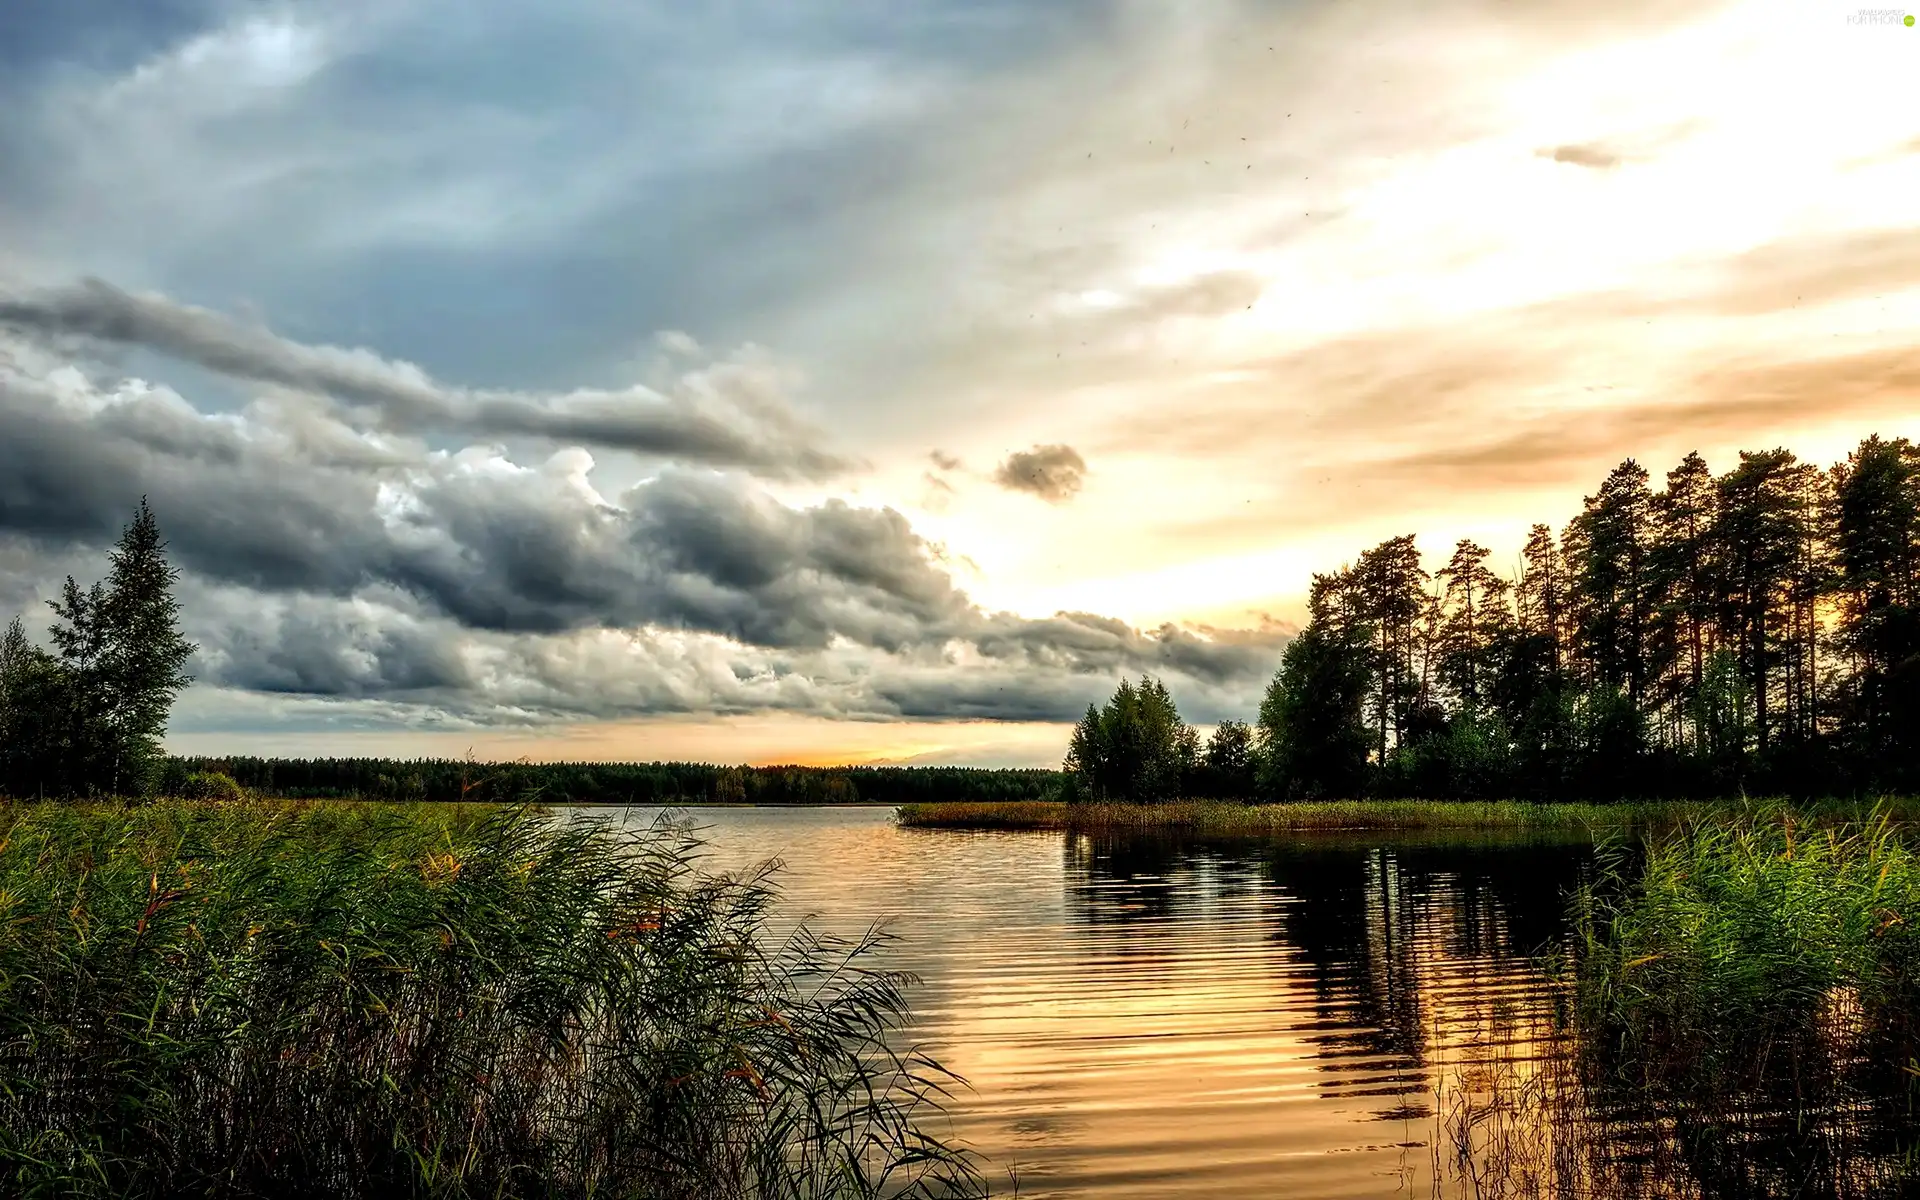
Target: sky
814,381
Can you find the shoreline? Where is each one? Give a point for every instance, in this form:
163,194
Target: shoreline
1205,816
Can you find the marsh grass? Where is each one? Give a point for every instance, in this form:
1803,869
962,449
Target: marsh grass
1759,982
279,999
1735,1017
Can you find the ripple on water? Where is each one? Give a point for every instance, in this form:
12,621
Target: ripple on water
1165,1018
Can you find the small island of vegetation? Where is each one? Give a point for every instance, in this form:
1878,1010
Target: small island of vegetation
1751,634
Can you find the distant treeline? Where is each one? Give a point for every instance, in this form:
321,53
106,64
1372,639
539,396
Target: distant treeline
671,783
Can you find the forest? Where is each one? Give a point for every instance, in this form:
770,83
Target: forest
607,782
1752,632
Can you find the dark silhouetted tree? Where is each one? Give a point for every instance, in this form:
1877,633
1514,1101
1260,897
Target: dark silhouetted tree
1313,723
1606,549
1876,519
90,720
1227,764
1758,531
1136,748
1681,564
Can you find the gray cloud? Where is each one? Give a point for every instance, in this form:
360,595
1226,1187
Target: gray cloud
330,562
735,426
380,649
1592,154
1055,473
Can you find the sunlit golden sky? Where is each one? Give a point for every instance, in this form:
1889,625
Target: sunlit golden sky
1275,281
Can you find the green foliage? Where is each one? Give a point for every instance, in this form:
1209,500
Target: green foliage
1755,631
1229,765
1312,734
1135,748
89,721
433,1001
1468,757
1764,968
209,785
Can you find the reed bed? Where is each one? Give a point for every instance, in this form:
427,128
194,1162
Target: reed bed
1761,977
326,999
1217,816
1738,1015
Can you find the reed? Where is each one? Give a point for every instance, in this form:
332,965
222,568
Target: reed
326,999
1766,950
1737,1015
1215,816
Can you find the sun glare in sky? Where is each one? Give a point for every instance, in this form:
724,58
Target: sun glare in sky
816,384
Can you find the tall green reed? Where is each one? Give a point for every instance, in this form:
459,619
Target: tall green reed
253,999
1741,934
1744,995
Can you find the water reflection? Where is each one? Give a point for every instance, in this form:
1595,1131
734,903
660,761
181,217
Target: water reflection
1390,957
1171,1017
1319,1016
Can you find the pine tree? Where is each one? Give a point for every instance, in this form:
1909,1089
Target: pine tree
1135,748
1757,533
1876,520
1681,562
90,721
1541,593
1606,549
1313,724
144,653
1390,597
1474,620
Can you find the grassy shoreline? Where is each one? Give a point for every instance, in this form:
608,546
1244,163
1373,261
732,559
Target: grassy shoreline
1209,816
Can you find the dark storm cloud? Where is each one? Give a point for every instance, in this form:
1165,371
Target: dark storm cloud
480,585
330,649
492,544
380,649
760,435
1054,473
321,650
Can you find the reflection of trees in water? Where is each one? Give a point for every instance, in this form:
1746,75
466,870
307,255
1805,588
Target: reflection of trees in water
1413,966
1439,952
1396,942
1127,880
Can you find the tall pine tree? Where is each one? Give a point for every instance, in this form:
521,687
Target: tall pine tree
90,721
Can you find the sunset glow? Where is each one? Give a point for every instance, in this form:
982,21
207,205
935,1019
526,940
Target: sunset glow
761,307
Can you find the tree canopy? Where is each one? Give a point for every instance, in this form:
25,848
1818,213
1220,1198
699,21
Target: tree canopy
1756,630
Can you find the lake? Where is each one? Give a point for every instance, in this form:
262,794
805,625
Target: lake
1160,1017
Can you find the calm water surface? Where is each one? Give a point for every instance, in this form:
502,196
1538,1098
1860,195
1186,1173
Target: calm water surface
1166,1018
